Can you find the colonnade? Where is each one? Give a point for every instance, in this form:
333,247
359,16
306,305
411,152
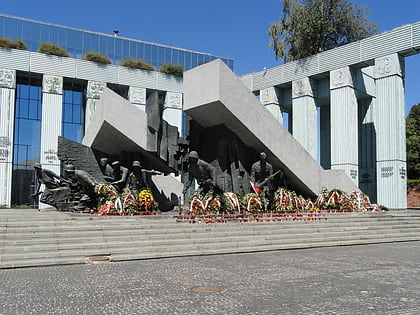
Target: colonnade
352,119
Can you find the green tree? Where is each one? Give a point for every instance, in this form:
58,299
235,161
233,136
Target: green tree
413,142
308,27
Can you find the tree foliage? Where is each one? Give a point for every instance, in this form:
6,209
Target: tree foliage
413,142
308,27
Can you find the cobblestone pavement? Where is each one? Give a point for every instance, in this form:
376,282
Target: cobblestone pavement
364,279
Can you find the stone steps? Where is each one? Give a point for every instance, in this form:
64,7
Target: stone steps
36,239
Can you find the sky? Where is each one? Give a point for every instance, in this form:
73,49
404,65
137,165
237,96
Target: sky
228,28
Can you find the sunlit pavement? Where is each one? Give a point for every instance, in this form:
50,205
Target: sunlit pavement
363,279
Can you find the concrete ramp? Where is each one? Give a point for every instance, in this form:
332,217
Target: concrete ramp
117,126
214,95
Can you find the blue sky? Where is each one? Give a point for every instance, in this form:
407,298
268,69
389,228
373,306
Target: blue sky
233,29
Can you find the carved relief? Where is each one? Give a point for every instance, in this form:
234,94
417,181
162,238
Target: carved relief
7,78
4,148
302,87
95,88
403,172
173,100
389,65
50,156
387,171
269,96
341,77
52,84
137,95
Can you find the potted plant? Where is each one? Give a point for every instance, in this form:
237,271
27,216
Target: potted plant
170,68
136,64
52,49
96,57
7,43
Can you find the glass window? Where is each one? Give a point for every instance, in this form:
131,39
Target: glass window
27,141
175,57
125,49
132,50
73,118
44,34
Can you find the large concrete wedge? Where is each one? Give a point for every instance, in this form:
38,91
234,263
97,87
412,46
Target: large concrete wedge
214,95
117,126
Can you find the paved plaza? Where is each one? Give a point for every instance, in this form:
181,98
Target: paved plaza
363,279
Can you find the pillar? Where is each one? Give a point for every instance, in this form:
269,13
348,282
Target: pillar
7,118
390,132
137,97
94,92
270,99
344,123
172,110
304,115
51,123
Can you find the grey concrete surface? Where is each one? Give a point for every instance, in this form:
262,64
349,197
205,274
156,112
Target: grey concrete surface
364,279
215,95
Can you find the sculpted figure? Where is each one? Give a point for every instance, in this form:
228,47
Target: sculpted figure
200,170
261,176
51,181
82,185
138,178
261,170
119,174
106,169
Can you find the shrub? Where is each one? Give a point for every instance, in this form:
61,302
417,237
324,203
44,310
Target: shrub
170,68
96,57
20,45
137,64
7,43
51,49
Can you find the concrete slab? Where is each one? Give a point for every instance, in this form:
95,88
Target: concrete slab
214,95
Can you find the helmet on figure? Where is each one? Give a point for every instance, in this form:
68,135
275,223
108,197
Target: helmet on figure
193,155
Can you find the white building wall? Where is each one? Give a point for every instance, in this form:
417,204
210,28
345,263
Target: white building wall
304,115
344,123
7,109
390,130
51,123
270,99
172,111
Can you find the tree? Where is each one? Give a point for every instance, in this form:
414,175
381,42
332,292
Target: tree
413,142
308,27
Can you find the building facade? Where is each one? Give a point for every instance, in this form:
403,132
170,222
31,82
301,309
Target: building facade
43,96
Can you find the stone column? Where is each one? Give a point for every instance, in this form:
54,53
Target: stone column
304,115
172,110
367,147
390,131
7,119
270,99
94,92
344,123
51,123
137,97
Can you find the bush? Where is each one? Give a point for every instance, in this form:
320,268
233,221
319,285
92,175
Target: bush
7,43
137,64
96,57
170,68
51,49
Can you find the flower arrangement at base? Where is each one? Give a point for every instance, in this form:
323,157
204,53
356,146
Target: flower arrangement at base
253,202
110,202
232,202
146,200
